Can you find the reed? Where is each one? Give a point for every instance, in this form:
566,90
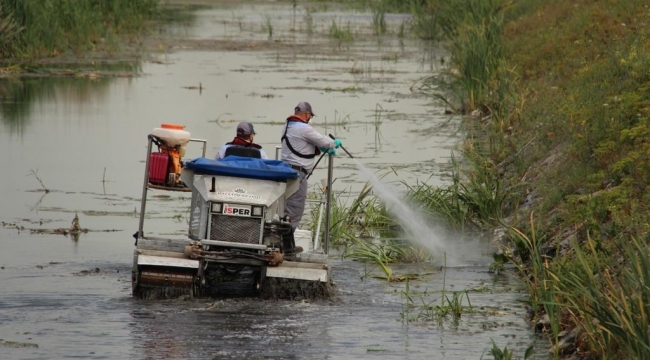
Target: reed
505,354
308,18
612,299
341,34
543,284
379,17
472,28
475,197
380,254
267,25
52,27
9,29
364,216
419,309
425,20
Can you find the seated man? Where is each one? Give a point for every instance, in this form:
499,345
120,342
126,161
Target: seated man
242,144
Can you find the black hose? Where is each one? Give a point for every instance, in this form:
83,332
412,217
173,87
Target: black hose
314,168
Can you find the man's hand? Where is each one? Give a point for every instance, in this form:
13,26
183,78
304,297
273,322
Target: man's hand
337,143
328,151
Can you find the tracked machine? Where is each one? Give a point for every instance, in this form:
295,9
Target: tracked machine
238,241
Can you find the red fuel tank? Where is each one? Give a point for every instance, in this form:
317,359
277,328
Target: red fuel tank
158,168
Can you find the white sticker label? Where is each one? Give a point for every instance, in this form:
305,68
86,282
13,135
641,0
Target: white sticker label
235,210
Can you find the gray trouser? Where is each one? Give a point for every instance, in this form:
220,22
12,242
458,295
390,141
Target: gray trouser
294,207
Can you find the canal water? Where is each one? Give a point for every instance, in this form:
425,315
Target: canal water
75,146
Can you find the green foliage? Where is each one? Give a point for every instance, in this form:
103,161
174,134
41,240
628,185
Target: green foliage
505,354
472,29
379,17
55,26
365,216
475,198
613,300
341,34
379,253
9,30
418,308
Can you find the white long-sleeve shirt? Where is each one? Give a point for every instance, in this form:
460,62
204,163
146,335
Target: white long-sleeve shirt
304,139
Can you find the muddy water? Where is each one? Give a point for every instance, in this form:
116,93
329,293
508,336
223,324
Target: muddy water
83,139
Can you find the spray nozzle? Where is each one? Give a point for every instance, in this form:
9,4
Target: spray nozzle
350,155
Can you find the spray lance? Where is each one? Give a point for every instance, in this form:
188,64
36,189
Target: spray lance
323,154
350,155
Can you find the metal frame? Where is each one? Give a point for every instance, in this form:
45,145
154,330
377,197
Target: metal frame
146,185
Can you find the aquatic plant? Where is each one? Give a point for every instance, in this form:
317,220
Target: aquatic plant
341,34
505,354
267,25
379,17
34,173
542,283
9,29
308,18
612,299
364,216
437,309
379,253
472,78
475,198
424,23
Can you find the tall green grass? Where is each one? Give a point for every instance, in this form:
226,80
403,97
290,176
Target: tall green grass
52,27
472,31
9,30
362,216
474,199
613,299
609,301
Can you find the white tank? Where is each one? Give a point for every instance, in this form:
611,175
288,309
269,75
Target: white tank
172,134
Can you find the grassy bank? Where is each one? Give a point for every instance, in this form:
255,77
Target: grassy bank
31,29
559,156
557,103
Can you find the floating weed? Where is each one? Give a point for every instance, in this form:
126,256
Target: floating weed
35,174
17,345
381,349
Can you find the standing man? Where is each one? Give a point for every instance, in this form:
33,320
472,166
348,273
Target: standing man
242,144
301,144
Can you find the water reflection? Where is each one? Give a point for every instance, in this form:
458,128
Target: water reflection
68,84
